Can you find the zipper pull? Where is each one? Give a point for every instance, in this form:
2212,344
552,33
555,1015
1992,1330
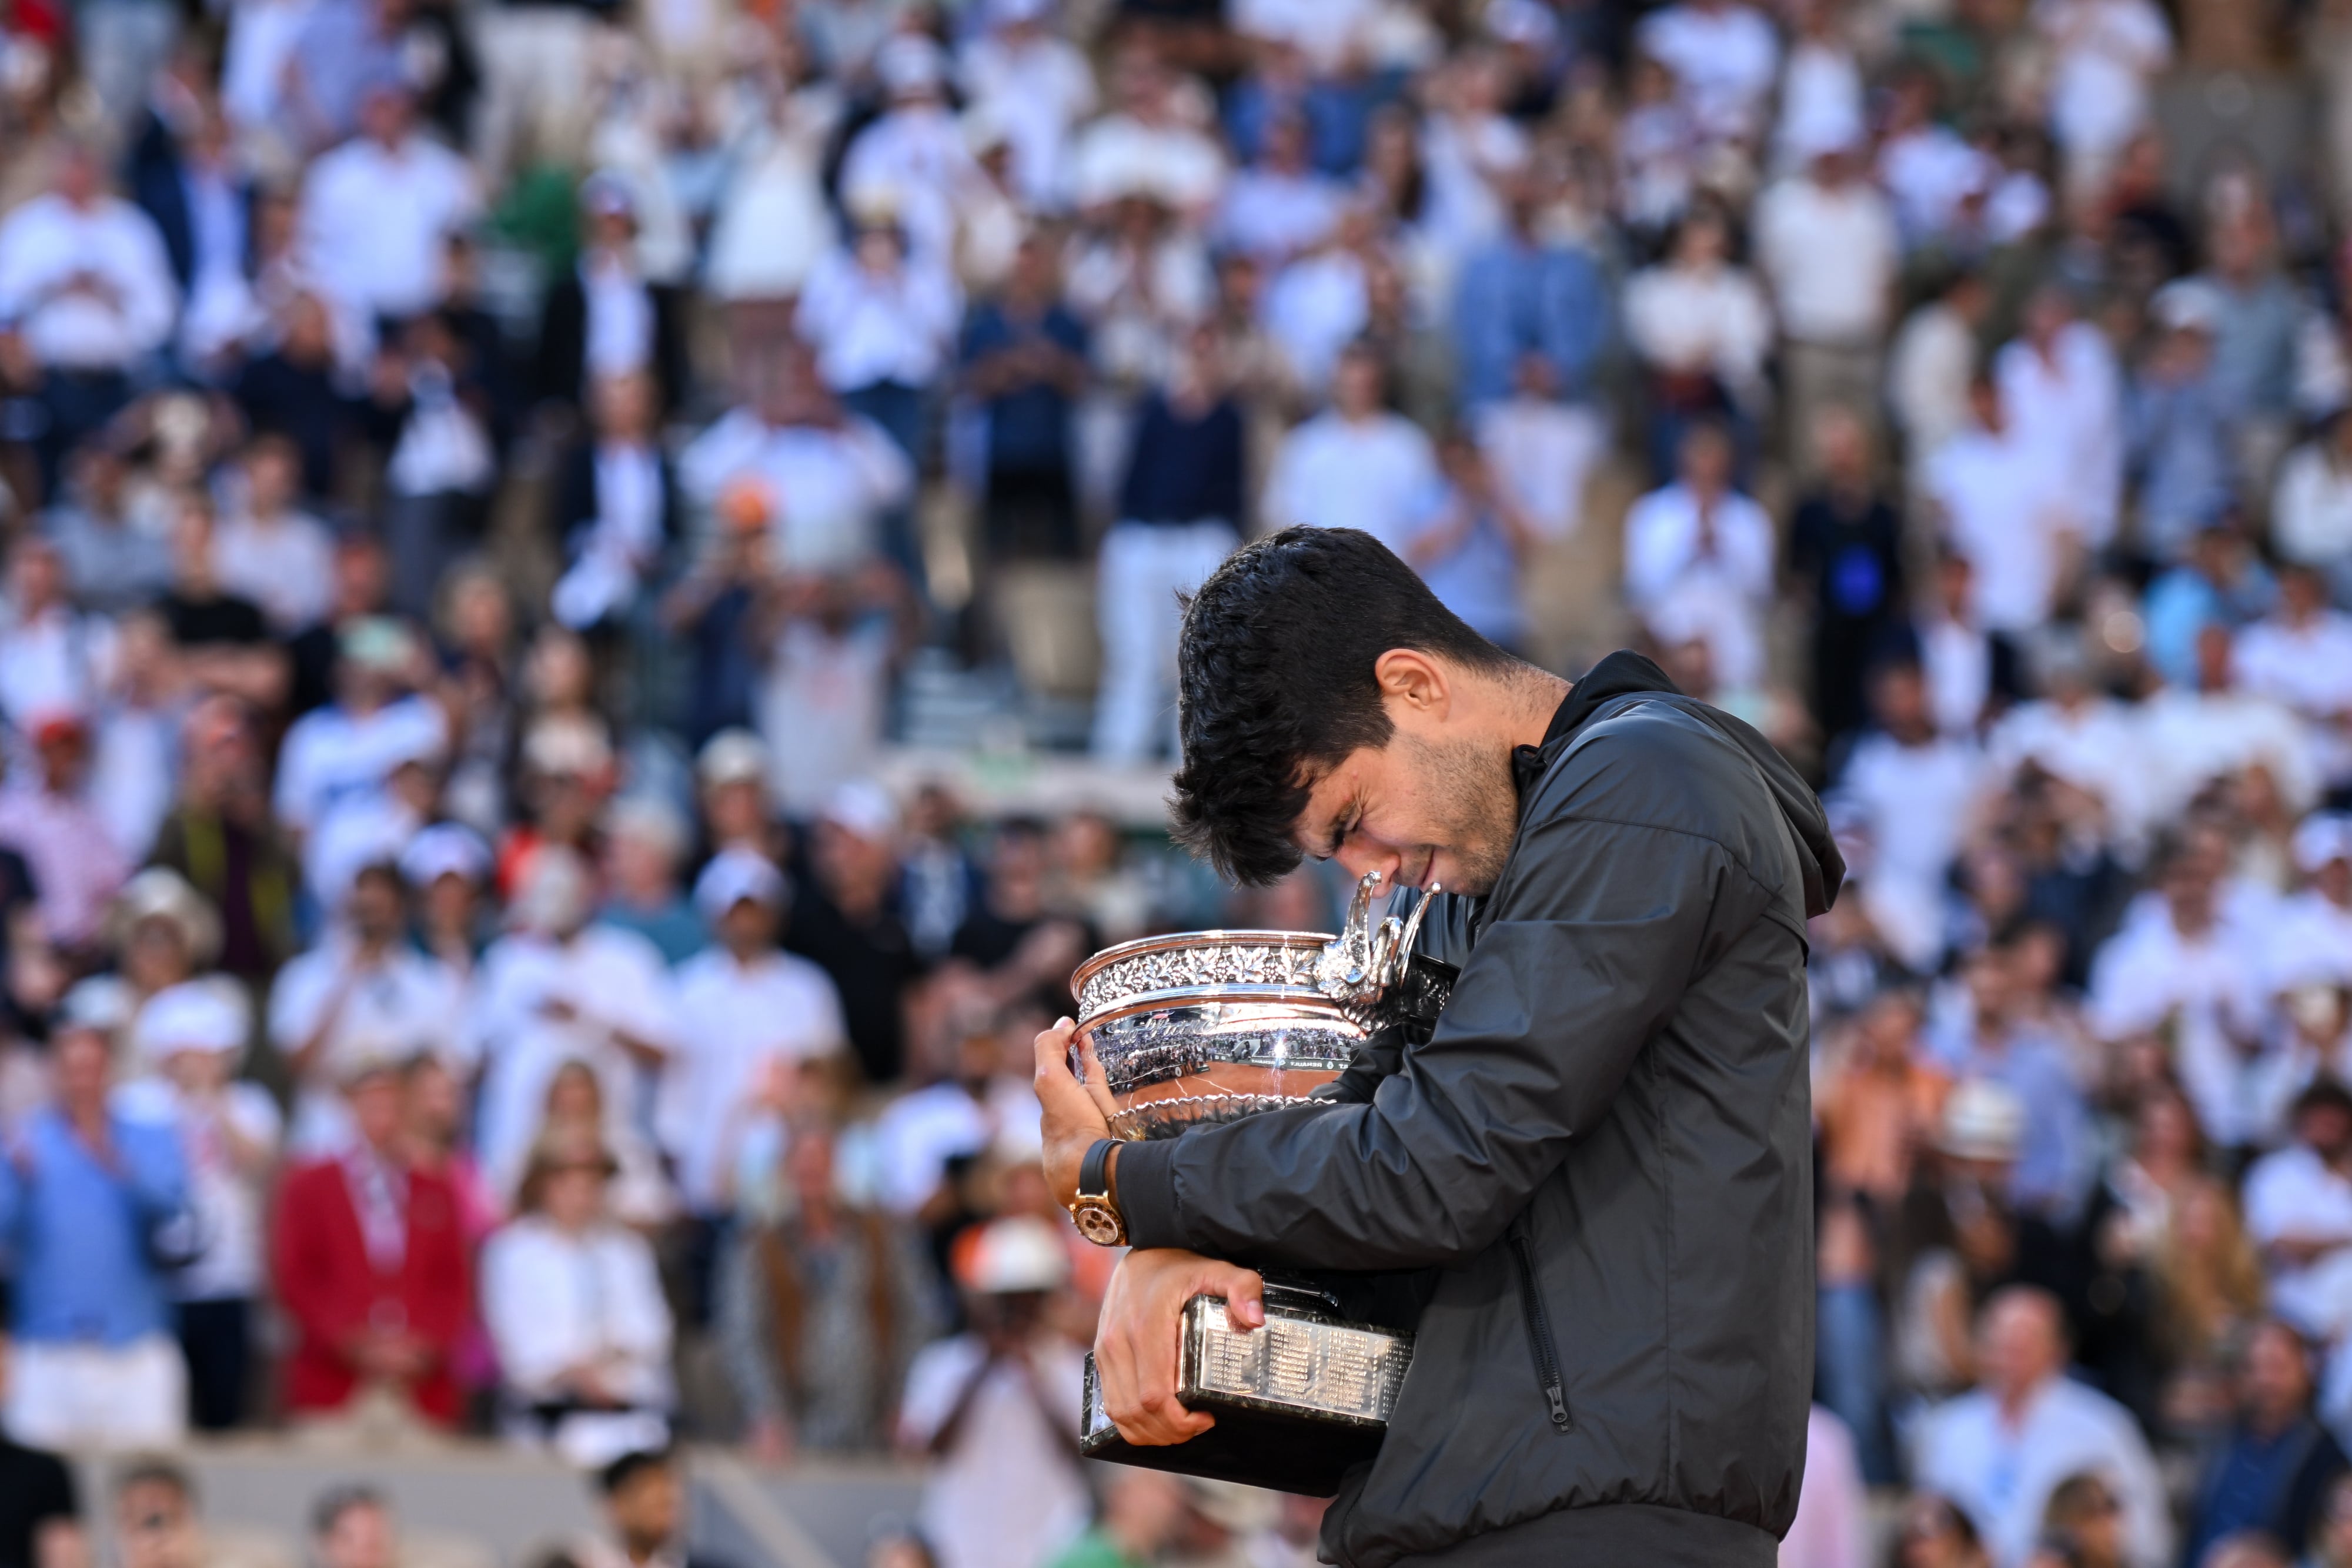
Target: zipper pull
1558,1399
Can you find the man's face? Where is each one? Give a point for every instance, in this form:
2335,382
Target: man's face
2018,1346
361,1537
2274,1382
646,1509
154,1526
1428,809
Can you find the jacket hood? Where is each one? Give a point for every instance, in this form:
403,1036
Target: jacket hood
1626,673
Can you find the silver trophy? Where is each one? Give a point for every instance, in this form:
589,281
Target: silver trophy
1205,1026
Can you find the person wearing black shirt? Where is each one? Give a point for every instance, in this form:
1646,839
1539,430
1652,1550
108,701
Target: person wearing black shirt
221,639
845,919
1180,516
36,1501
1845,546
292,391
1025,950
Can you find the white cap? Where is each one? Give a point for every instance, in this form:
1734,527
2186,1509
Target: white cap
732,877
864,808
2324,836
731,757
102,1002
1983,1121
567,744
195,1015
909,63
445,849
2186,305
1019,1254
557,892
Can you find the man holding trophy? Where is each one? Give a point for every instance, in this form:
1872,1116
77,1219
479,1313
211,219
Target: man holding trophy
1589,1177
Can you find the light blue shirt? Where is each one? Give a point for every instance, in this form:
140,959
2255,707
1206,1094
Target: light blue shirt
76,1230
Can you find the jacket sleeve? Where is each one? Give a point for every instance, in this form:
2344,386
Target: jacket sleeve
1588,955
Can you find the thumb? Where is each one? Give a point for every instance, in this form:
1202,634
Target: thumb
1242,1289
1055,1080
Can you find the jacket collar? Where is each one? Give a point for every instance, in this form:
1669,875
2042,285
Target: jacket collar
1622,674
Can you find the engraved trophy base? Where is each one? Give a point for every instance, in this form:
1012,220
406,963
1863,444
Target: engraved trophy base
1299,1402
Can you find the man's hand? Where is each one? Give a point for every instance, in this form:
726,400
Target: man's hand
1135,1347
1077,1115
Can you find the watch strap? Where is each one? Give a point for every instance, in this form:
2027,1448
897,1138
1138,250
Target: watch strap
1094,1171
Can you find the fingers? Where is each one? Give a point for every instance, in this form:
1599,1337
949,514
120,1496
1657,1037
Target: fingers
1054,1060
1243,1289
1136,1347
1097,1083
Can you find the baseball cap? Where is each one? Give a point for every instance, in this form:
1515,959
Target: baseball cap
2324,836
445,849
864,808
731,757
194,1015
1017,1255
733,876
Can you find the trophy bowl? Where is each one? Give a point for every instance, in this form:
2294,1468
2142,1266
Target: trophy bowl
1208,1026
1205,1026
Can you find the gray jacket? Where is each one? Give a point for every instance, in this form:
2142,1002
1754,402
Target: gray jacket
1602,1159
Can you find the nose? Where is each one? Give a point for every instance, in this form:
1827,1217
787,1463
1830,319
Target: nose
1359,855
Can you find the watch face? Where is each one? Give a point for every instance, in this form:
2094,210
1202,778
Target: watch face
1096,1222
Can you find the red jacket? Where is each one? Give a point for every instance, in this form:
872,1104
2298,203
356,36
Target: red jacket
332,1291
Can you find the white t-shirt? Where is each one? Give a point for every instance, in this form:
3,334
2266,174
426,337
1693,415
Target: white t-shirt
48,240
827,485
1724,59
1686,583
1008,1494
2210,983
1037,88
554,1301
1917,799
2309,669
2005,510
1379,475
408,1002
227,1204
372,223
2069,408
611,979
869,328
732,1020
286,566
2003,1478
1830,256
331,753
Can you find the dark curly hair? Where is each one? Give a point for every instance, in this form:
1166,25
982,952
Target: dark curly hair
1276,684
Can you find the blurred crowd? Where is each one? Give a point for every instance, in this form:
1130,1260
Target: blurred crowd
488,488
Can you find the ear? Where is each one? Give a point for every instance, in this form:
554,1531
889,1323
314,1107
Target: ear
1414,684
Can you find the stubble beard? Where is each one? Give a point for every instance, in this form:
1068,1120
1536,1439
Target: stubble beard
1474,807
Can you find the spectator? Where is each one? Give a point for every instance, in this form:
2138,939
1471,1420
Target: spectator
2273,1471
1474,547
821,1310
1356,464
2000,1451
1520,296
2301,655
111,564
990,1407
40,1511
220,827
616,508
556,988
745,1010
2002,505
1143,1514
220,640
156,1524
1025,359
76,863
1881,1107
376,211
645,1513
2311,512
2061,392
880,316
847,922
1935,1535
644,840
1699,559
1826,242
192,1034
271,553
350,747
1845,545
604,320
1931,365
370,1263
2299,1196
1830,1525
1701,329
2178,430
361,992
85,279
352,1527
93,1201
1181,510
54,658
574,1306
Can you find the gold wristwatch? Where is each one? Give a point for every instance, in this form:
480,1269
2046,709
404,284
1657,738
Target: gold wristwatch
1097,1215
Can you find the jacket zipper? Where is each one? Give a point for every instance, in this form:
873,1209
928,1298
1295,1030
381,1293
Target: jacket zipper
1539,1330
